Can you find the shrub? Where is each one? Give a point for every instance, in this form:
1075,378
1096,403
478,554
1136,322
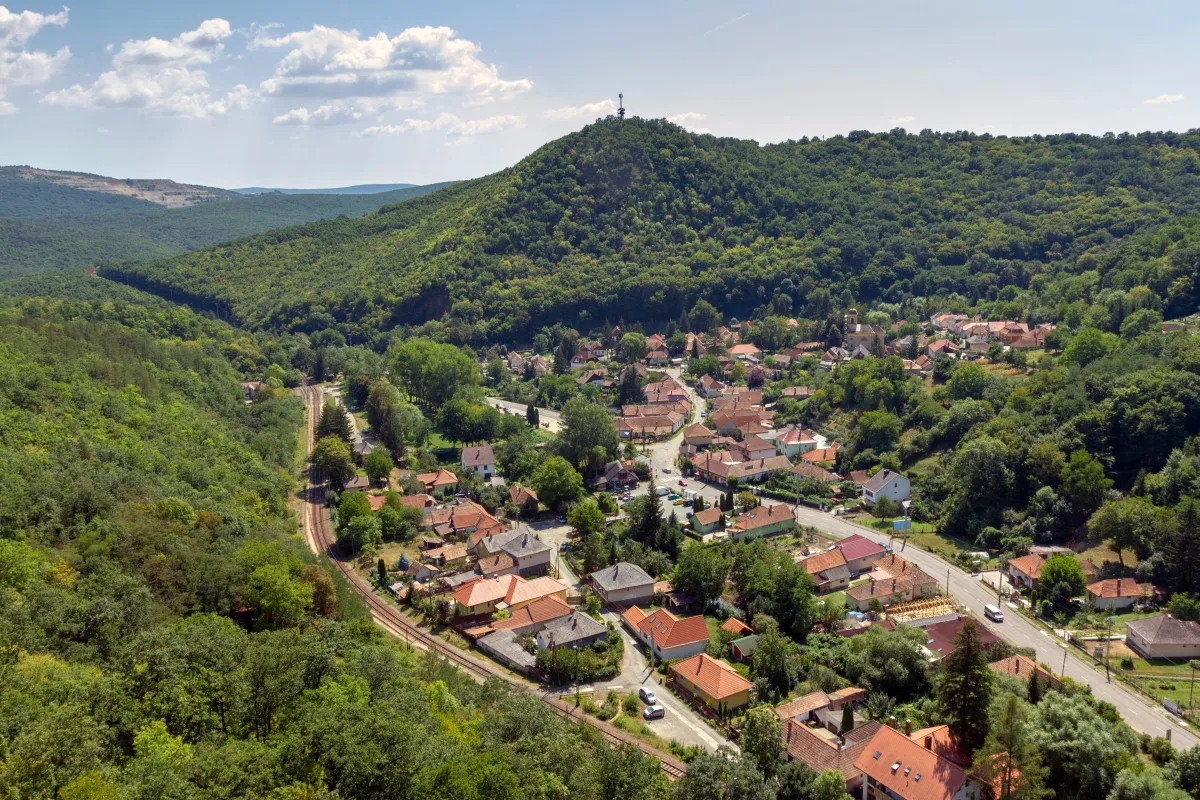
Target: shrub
1126,663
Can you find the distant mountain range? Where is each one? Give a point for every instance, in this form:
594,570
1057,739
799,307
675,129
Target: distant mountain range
52,219
362,188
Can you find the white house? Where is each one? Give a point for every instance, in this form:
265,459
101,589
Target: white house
623,584
886,483
480,460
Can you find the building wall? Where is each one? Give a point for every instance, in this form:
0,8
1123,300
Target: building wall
680,651
863,564
632,596
766,530
1108,603
897,489
1178,651
537,564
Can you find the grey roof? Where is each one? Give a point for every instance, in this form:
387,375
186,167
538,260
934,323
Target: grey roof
881,479
746,644
458,579
621,575
503,644
835,573
1165,629
478,456
522,544
575,627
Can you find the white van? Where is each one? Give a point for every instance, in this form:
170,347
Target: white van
993,613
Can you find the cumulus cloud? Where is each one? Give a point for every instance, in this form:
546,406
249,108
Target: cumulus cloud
900,120
1163,99
601,108
688,119
374,74
451,124
21,67
162,76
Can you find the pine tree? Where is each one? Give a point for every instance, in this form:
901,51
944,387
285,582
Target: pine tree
698,505
1035,688
965,690
1010,761
532,416
333,421
847,719
382,568
685,324
630,391
650,521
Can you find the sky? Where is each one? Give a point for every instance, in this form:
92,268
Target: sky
306,94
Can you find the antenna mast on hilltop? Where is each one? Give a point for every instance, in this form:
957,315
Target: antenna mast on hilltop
620,105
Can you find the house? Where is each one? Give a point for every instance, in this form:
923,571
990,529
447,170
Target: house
860,552
712,682
828,570
524,498
1164,636
439,483
698,436
1115,593
616,477
941,347
763,521
821,709
649,426
419,572
513,591
505,647
795,442
447,554
720,468
743,649
1026,570
496,565
886,483
753,448
658,358
940,636
796,392
897,767
669,637
706,521
529,553
820,753
744,352
251,388
822,455
803,469
534,616
541,365
598,377
516,362
710,386
736,626
913,584
1022,667
359,483
858,334
479,460
421,501
623,584
834,356
572,631
466,518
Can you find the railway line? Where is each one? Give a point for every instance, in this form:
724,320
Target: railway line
318,533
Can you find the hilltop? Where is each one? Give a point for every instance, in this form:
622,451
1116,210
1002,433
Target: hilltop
361,188
637,219
56,220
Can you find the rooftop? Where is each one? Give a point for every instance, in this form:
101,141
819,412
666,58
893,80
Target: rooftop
478,456
715,678
666,629
1116,587
1165,629
621,575
908,770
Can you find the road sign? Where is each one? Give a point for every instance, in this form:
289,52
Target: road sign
901,524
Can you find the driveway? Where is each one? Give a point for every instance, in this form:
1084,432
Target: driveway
680,723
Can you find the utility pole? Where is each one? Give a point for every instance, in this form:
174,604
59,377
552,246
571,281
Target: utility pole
947,581
1000,581
1063,672
1107,649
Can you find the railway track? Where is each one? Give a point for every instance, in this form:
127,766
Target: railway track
318,532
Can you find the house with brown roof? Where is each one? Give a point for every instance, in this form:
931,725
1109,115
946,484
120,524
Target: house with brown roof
794,442
753,448
745,352
1026,570
940,636
1164,636
714,683
763,521
738,423
533,616
736,627
899,768
447,554
668,636
422,501
797,392
913,584
709,386
828,570
480,460
496,565
698,436
524,498
615,476
821,753
941,347
439,483
859,334
1115,593
803,469
1022,667
860,552
706,521
720,468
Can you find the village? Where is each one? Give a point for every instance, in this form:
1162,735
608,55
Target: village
705,447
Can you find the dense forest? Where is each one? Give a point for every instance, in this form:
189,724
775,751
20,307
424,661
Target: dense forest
164,632
46,226
637,219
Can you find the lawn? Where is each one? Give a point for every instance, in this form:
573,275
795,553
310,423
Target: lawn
1181,691
1098,622
923,466
833,598
1102,553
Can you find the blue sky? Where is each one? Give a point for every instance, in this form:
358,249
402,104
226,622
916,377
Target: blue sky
320,94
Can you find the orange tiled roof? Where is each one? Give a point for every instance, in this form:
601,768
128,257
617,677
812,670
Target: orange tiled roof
668,630
1116,587
539,611
1030,565
715,678
907,769
802,705
736,626
823,561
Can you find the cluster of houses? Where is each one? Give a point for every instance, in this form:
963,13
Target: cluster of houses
666,409
1110,594
978,334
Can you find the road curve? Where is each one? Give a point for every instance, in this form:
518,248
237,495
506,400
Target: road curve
318,534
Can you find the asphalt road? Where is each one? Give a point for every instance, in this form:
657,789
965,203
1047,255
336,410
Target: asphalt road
551,420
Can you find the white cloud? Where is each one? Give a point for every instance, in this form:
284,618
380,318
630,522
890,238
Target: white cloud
451,124
162,76
900,120
21,67
601,108
688,119
380,73
1163,99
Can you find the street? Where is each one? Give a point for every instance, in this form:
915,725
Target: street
551,421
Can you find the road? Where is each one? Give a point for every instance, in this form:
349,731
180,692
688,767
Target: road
1142,715
551,420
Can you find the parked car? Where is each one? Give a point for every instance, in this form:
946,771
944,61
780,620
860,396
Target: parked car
662,491
682,482
647,695
678,501
667,470
654,712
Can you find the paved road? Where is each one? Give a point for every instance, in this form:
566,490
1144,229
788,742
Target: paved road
551,420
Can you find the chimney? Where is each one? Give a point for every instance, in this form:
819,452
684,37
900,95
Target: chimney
929,743
893,584
892,723
908,727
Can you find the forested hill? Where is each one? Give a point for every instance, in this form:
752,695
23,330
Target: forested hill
46,225
637,219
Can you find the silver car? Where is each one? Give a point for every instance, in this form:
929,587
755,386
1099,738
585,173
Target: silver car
654,712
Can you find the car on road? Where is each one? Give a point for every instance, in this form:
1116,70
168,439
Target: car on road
562,547
667,470
662,491
703,414
682,482
654,712
647,695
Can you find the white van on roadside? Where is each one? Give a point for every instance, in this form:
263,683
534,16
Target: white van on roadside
993,613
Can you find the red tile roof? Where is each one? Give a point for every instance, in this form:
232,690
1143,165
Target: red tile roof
805,745
715,678
709,516
907,769
802,706
1030,565
763,516
823,561
736,626
856,546
1021,667
1116,587
940,636
535,613
667,629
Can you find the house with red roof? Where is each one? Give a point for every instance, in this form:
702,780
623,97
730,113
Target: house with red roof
668,636
714,683
763,521
821,753
860,552
901,768
828,570
1115,593
439,483
1022,667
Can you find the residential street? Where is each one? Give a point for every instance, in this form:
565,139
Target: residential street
551,421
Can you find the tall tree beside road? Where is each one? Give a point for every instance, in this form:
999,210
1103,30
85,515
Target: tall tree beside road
965,689
432,372
701,572
588,439
587,519
1009,760
532,416
331,457
557,482
1080,748
333,421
